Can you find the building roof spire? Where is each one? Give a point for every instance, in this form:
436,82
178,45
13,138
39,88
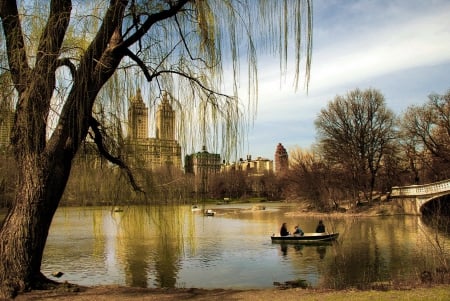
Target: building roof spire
138,97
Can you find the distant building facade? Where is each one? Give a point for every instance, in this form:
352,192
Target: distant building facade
152,153
281,159
202,162
257,167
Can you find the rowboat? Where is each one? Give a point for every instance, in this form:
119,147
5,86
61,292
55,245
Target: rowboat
306,238
209,212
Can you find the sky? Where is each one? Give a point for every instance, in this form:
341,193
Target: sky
399,47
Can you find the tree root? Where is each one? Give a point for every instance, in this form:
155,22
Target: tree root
41,282
9,289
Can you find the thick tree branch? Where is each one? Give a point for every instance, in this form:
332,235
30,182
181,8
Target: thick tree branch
96,66
112,20
15,45
98,139
53,35
140,63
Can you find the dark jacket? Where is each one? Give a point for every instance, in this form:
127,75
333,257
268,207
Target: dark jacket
284,231
320,228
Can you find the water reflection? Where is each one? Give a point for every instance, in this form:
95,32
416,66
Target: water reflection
169,222
147,241
171,246
440,223
322,251
321,248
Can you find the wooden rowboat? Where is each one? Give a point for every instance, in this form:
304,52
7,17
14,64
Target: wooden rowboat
306,238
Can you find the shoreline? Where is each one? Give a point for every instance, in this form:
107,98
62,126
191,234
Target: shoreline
99,293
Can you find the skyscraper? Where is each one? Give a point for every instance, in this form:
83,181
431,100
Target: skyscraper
165,120
152,153
137,118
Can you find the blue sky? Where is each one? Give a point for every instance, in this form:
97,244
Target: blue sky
400,47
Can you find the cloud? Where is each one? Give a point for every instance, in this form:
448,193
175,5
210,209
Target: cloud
380,47
385,48
400,47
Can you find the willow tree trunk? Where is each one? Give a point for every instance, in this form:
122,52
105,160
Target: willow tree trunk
24,233
44,163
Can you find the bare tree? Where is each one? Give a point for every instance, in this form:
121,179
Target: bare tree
304,179
426,132
354,132
178,45
313,181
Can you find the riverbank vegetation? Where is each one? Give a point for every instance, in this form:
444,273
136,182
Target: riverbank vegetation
322,178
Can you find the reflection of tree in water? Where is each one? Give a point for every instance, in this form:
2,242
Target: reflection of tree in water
373,251
166,265
132,244
151,235
136,266
168,222
439,223
356,266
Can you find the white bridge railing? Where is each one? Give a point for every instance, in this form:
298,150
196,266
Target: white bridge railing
418,190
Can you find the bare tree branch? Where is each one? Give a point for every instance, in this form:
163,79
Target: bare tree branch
152,19
98,139
140,63
186,46
154,75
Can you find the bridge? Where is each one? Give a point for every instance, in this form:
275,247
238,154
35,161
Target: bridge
426,197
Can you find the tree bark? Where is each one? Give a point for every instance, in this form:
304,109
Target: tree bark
25,228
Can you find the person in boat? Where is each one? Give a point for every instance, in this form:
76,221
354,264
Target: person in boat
298,231
284,231
320,227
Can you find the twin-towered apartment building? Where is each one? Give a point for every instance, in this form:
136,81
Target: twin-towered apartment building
164,150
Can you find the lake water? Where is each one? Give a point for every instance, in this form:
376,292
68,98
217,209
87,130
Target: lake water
171,246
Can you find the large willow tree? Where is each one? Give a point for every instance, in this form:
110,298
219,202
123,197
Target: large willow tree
61,56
